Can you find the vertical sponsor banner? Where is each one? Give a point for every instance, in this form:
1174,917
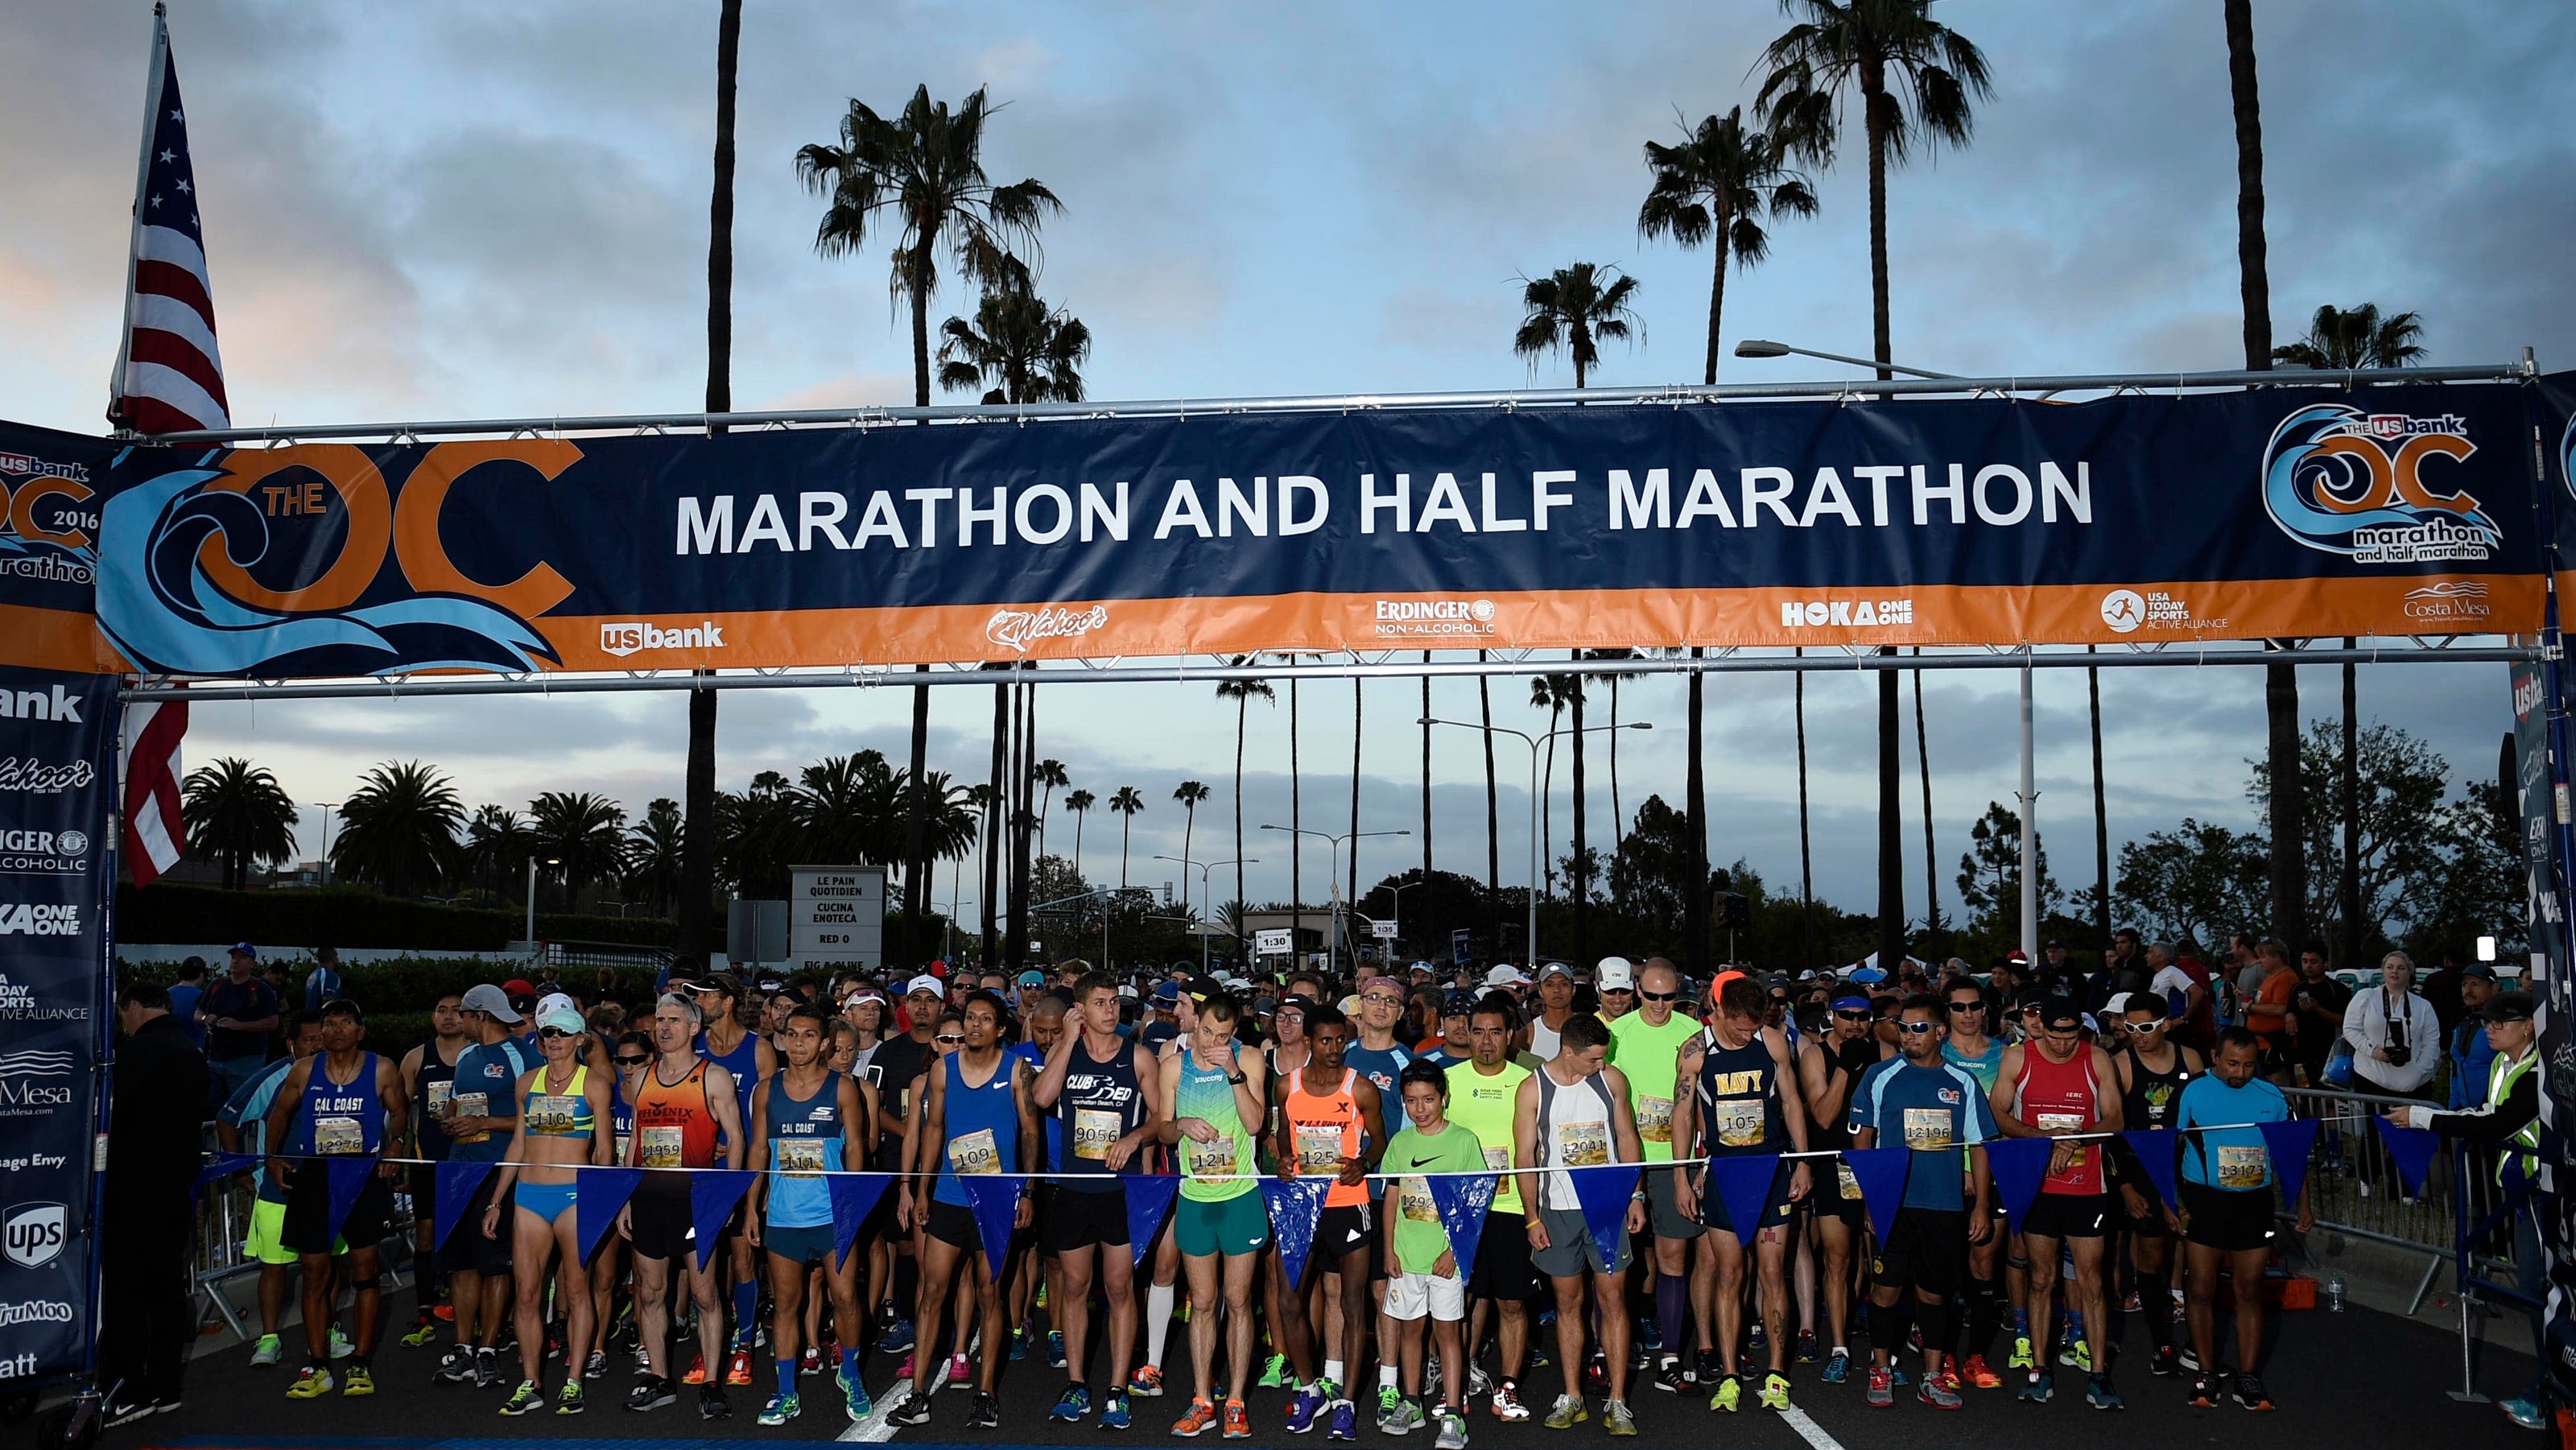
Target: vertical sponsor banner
2540,707
57,786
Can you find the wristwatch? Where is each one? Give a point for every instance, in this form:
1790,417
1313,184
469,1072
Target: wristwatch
1236,1078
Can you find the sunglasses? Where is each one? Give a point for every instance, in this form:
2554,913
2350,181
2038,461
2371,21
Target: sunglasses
1916,1028
1852,1016
1967,1006
945,1038
632,1061
1659,996
554,1034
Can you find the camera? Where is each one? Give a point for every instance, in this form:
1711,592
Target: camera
2398,1053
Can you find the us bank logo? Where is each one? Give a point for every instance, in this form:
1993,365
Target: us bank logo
2368,486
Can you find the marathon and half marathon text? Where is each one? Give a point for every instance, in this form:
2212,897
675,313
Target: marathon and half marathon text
1263,506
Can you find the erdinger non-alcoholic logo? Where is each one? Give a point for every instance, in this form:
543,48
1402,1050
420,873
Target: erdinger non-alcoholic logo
1016,629
1428,615
2368,486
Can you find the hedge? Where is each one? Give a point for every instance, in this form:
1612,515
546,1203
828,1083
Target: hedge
353,916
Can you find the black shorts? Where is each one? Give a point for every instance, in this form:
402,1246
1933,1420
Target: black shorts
469,1250
1503,1271
2151,1226
306,1227
422,1180
1342,1230
1926,1249
1826,1201
2069,1216
661,1224
2231,1220
1076,1219
954,1223
1714,1212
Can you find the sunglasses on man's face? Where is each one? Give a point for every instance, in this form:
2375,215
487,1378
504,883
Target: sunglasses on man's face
1659,996
1916,1028
1852,1016
1967,1006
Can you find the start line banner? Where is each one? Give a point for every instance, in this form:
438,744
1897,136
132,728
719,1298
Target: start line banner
2291,511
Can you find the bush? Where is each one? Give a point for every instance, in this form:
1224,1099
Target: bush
354,916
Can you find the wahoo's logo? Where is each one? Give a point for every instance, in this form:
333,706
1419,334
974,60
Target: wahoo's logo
2342,481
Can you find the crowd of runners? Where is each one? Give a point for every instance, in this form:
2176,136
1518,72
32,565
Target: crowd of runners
1084,1080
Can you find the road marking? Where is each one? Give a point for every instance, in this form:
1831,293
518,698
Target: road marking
876,1429
1808,1430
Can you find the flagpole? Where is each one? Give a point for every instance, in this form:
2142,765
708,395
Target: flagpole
160,67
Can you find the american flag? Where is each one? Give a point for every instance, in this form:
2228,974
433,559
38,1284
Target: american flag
154,835
169,375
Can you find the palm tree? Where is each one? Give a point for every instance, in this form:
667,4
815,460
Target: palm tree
1695,823
1016,350
584,833
698,778
1806,842
236,813
1050,777
497,845
845,805
1351,887
1575,308
1296,826
1125,804
1080,803
398,829
1580,877
1549,693
2357,337
1862,46
653,852
1189,795
2101,815
1242,693
1493,804
1923,773
1717,183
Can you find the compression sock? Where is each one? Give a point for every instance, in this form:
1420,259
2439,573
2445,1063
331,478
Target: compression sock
787,1376
1672,1302
849,1364
1934,1319
1985,1315
1158,1322
2155,1304
746,1309
1886,1330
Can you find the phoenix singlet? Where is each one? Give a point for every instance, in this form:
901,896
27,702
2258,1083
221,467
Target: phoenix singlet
982,1124
2057,1097
673,1127
1101,1103
1324,1129
340,1118
806,1140
1205,1093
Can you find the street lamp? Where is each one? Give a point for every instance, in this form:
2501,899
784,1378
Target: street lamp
1395,898
1534,742
1203,868
1332,939
326,808
1763,347
532,894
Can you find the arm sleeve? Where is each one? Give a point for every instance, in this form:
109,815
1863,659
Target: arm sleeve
2494,1122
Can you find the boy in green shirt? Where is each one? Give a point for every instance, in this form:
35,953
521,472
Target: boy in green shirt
1428,1278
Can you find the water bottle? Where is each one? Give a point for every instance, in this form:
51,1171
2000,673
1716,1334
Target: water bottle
2334,1293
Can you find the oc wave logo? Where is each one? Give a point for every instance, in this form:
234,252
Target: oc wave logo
2567,456
176,591
2342,481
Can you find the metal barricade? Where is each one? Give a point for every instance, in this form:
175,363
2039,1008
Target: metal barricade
2355,1189
220,1242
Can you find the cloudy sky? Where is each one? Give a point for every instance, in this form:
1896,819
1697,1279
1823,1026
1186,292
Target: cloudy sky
462,210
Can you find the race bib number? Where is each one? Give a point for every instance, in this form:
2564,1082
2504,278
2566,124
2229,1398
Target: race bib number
1498,1159
1212,1159
549,1115
975,1152
1927,1128
1095,1130
1739,1123
1850,1185
2067,1123
471,1105
624,1142
797,1157
1655,1119
1582,1145
338,1135
661,1143
1414,1201
442,1098
1319,1146
2243,1165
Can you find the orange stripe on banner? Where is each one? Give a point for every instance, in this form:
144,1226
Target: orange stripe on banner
1568,619
56,639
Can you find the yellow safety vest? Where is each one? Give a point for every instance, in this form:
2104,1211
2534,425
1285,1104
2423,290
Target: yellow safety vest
2501,1076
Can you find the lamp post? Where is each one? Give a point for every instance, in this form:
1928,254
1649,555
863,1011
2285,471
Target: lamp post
532,893
1203,868
1395,902
326,808
1756,347
1534,742
1333,938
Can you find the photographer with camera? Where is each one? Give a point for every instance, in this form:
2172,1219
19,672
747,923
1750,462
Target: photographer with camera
2396,1040
2320,1003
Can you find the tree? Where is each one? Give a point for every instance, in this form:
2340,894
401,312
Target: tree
845,809
653,850
1016,349
1125,804
1717,183
1051,778
1426,768
2355,338
2402,842
1806,847
1550,693
1080,803
1576,309
1242,692
237,814
497,847
1493,810
2101,892
1653,873
1296,824
1923,773
1990,875
1189,795
2480,889
1881,50
398,829
2200,882
584,834
698,776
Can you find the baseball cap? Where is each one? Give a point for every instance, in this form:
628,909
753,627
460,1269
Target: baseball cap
1556,969
547,1005
2117,1003
2510,1007
561,1019
1127,991
518,987
2055,945
1850,1004
1032,978
1506,975
2059,1012
1167,994
1869,974
1457,1004
491,1001
243,948
2480,970
925,983
1615,975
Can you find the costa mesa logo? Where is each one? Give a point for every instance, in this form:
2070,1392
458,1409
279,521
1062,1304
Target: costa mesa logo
2342,481
2448,599
1016,629
1433,615
628,637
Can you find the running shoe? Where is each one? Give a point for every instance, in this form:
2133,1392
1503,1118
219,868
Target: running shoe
984,1413
487,1368
1837,1366
1506,1402
697,1374
960,1373
1238,1421
527,1399
1949,1375
2524,1412
2130,1303
1938,1395
1650,1334
1344,1422
1981,1374
2189,1358
1114,1414
1756,1337
651,1392
1567,1414
1019,1343
811,1361
1200,1419
1388,1399
269,1351
911,1410
2038,1391
2251,1395
903,1371
1807,1346
1274,1373
2205,1393
423,1330
1453,1431
1072,1406
1896,1373
1478,1382
712,1404
897,1338
357,1380
854,1400
569,1400
1775,1391
1616,1419
2099,1394
1146,1382
341,1348
1404,1419
1055,1349
781,1409
2021,1355
738,1369
2165,1362
595,1367
2078,1355
1670,1377
1304,1406
1882,1388
1729,1396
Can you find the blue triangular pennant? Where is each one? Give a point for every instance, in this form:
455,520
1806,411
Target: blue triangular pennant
600,1194
223,1165
456,1182
995,1199
1462,1200
1149,1202
349,1177
2155,1148
712,1194
2019,1165
1295,1205
2289,1144
1880,1172
2411,1149
1605,1192
1743,1184
854,1197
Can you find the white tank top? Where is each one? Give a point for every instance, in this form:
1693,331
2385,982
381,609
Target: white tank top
1573,1132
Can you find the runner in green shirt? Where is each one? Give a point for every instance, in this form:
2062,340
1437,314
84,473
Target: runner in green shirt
1646,1045
1429,1279
1482,1093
